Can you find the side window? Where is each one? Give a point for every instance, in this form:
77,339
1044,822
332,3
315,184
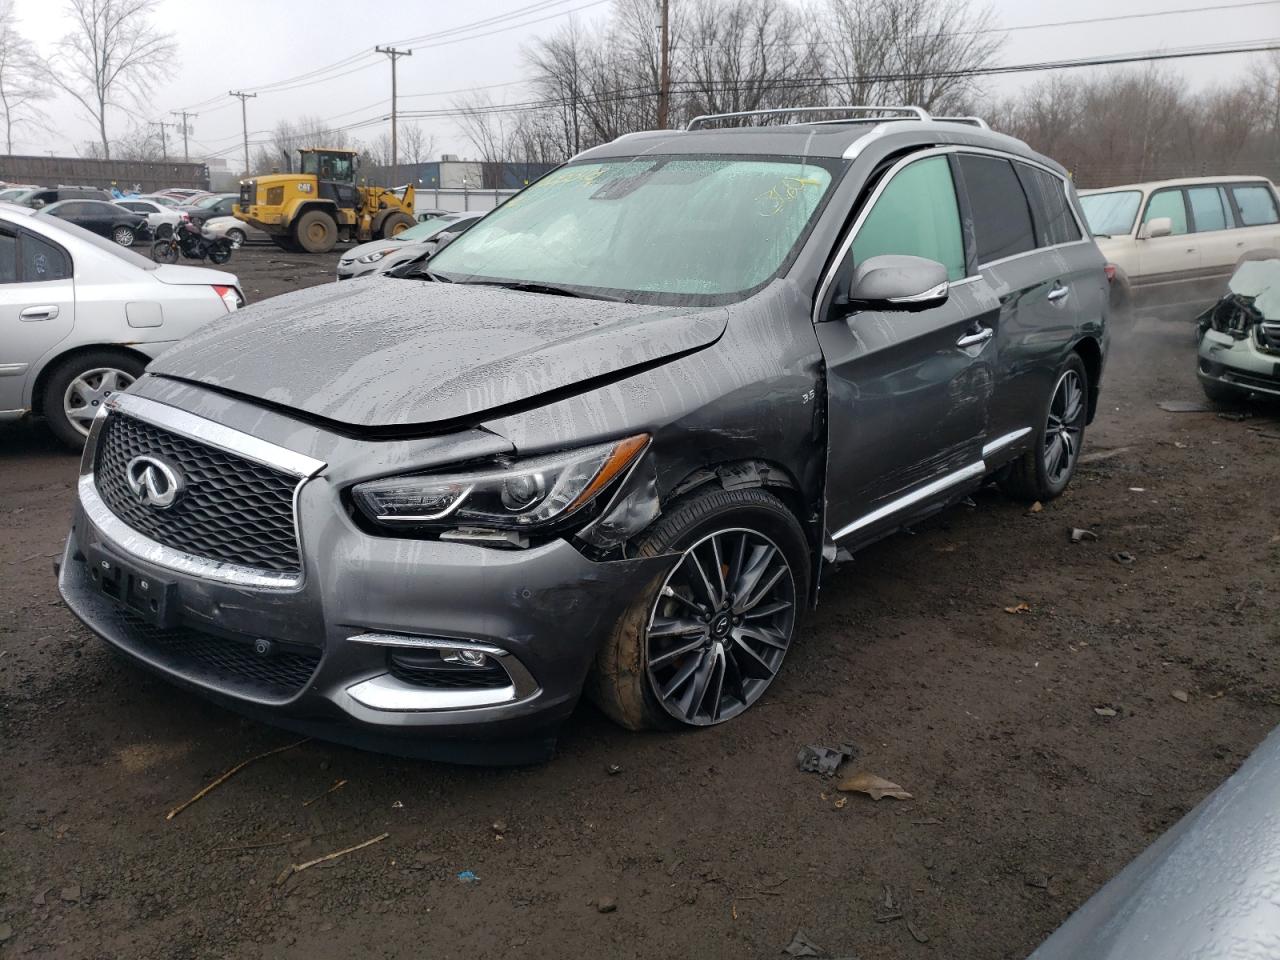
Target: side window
42,260
1257,205
71,208
1209,208
916,214
1001,218
1168,203
8,257
1054,221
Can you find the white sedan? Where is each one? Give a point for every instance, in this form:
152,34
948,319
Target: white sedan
80,317
160,219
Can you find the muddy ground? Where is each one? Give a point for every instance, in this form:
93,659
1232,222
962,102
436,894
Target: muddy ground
1026,800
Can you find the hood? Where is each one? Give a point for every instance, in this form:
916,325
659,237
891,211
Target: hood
392,352
182,275
374,245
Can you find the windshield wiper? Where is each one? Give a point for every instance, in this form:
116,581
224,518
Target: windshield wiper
528,287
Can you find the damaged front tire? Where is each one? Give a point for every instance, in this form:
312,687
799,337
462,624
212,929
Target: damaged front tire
708,642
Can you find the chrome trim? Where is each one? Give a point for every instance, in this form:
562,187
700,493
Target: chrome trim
387,694
215,434
129,541
7,415
522,683
13,369
915,113
973,339
999,443
975,469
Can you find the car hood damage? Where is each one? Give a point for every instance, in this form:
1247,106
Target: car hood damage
388,352
1251,304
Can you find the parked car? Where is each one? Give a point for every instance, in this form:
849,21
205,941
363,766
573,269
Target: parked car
423,215
183,194
160,198
161,219
108,220
1240,336
214,205
606,438
1177,241
44,196
379,256
230,228
81,316
15,192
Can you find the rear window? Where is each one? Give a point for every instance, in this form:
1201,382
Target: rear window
1001,218
1210,208
1257,204
1054,221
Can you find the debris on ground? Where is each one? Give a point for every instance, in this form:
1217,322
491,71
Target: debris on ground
916,933
873,786
467,876
71,893
613,769
606,905
802,946
499,827
1036,507
1123,557
1097,456
1235,416
231,773
1185,406
1104,711
927,822
1137,489
888,909
337,785
293,868
1079,534
397,805
1022,607
815,758
1181,696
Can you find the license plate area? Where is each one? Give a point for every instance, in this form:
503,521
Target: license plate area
152,598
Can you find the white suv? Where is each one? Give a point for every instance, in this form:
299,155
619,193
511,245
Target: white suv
1179,241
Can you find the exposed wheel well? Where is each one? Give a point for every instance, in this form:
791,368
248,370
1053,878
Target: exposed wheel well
1091,353
37,390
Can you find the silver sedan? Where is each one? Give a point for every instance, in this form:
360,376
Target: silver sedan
379,256
80,317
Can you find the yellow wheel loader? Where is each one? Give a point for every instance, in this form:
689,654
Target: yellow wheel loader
323,204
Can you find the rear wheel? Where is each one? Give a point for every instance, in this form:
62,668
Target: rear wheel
395,224
316,232
78,386
123,236
220,251
1044,471
708,642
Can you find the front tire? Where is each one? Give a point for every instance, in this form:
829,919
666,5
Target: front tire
316,232
1044,471
78,386
164,251
396,224
704,645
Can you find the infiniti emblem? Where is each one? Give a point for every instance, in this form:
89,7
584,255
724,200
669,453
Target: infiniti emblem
154,482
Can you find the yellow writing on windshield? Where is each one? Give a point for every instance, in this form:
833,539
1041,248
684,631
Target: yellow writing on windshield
774,200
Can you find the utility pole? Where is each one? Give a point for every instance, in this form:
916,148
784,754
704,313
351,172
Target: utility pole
164,147
186,128
664,68
244,123
394,55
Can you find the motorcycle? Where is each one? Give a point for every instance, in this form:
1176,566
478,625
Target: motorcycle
191,242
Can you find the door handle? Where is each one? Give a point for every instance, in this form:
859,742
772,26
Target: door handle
1058,293
978,336
46,312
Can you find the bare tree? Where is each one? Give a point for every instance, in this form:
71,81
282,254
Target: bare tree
110,56
485,126
140,142
20,87
416,145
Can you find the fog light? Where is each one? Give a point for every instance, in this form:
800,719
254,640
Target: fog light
470,658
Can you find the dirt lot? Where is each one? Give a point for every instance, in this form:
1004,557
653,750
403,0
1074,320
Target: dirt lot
711,844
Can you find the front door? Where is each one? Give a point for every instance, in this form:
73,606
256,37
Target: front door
907,393
1169,268
37,308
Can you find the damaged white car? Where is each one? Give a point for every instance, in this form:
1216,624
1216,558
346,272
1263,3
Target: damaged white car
1240,336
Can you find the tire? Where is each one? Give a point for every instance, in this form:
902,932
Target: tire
164,251
164,231
1031,477
123,236
1223,393
395,224
316,232
635,662
99,373
220,251
237,237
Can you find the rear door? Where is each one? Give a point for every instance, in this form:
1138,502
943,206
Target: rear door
1213,221
1169,268
37,307
907,392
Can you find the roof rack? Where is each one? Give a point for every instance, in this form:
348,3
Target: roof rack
971,121
908,113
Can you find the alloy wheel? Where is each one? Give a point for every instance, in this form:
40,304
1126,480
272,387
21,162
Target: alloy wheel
1064,428
720,626
123,236
86,394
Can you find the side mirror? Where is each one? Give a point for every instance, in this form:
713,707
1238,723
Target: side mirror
1158,227
37,204
898,282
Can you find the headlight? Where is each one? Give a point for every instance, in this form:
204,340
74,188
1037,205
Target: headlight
520,495
375,256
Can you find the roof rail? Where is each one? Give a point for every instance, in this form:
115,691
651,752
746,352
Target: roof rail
910,113
971,121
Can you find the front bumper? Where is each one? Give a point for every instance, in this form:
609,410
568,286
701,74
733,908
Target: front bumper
314,652
349,271
1241,364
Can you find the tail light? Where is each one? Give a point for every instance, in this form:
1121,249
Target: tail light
1110,270
230,296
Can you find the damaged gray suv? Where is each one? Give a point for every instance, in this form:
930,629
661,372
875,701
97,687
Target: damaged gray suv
604,441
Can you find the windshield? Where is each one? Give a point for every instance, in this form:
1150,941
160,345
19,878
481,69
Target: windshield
689,230
1111,214
328,166
100,243
426,229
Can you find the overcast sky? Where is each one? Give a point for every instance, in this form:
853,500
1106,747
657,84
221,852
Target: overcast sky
243,44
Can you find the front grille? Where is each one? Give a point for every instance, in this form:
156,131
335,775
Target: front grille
232,510
230,664
1269,335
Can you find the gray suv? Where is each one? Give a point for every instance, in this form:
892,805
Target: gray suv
604,441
